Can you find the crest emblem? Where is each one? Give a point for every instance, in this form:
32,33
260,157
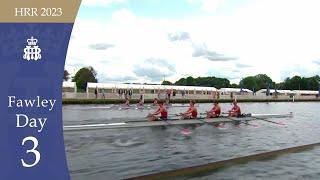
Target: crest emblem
32,51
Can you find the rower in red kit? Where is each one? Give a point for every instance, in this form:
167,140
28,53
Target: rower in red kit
155,102
191,113
215,111
140,103
161,110
235,111
127,102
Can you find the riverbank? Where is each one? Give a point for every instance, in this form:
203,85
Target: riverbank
178,101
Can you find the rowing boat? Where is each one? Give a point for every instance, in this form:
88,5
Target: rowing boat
145,123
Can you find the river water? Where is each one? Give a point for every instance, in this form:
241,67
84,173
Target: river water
122,153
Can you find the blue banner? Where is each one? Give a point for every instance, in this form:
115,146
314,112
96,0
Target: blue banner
32,62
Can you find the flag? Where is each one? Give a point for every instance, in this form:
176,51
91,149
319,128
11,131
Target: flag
268,90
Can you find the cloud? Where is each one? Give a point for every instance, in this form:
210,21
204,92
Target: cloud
161,63
179,36
99,3
317,62
202,51
105,62
76,65
154,69
238,65
186,75
207,5
108,78
299,70
224,73
236,35
100,46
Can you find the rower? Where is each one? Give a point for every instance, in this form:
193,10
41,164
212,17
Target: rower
140,103
155,102
127,102
215,111
235,111
191,113
161,110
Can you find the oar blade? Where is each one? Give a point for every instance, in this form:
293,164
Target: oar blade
220,126
185,131
252,125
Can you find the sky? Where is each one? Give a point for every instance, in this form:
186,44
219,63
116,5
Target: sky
147,41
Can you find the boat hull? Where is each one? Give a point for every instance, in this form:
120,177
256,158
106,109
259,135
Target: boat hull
145,123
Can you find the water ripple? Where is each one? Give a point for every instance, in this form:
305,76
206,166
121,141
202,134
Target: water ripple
121,153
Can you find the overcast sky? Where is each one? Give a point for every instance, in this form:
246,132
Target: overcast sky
149,40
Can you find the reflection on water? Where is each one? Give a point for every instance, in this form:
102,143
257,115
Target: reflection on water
121,153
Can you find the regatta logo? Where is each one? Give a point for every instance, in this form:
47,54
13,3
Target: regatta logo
32,51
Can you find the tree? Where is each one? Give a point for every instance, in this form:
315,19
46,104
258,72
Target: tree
232,86
190,81
83,76
204,81
313,82
166,82
181,82
249,82
66,75
257,82
262,81
302,83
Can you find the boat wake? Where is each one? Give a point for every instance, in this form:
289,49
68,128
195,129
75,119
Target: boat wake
127,143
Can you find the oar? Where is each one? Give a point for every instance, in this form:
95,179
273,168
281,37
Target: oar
219,126
205,113
253,125
268,120
182,116
183,131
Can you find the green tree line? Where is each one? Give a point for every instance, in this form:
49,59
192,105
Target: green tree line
257,82
260,81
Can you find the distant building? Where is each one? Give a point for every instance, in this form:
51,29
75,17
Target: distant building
69,87
262,92
149,89
235,91
306,92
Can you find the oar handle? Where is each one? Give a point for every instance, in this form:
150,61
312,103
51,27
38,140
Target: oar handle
205,113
